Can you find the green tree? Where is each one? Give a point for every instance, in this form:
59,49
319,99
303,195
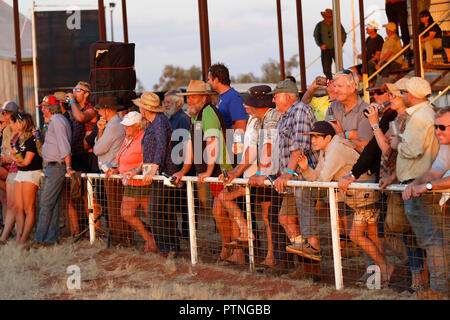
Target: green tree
174,76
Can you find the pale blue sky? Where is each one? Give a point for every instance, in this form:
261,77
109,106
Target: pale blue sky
243,33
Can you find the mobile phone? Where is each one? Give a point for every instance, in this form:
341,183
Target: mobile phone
321,81
228,186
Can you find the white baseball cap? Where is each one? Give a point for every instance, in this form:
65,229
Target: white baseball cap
131,118
418,87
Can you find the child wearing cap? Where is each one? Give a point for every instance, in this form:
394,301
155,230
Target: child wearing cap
337,156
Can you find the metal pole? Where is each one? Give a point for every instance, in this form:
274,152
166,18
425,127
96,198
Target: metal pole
191,216
280,40
111,8
18,55
248,206
338,278
101,20
35,70
204,37
90,200
363,52
355,59
125,21
301,45
338,63
415,32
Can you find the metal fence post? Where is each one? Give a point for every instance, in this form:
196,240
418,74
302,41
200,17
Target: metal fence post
192,231
90,200
335,240
248,206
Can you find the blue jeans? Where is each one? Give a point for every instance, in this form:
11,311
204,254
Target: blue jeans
48,227
306,208
425,224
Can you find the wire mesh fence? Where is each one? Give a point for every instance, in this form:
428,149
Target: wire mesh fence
362,237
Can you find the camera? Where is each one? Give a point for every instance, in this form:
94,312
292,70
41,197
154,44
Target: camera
380,107
171,179
321,81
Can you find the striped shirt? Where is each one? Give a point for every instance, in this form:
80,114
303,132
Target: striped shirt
298,119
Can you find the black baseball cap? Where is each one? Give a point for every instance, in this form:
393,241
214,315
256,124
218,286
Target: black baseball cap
322,128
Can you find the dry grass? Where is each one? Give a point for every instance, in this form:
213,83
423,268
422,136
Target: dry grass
129,274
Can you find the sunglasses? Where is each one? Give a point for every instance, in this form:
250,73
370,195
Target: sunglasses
379,92
19,116
79,89
441,127
346,71
403,91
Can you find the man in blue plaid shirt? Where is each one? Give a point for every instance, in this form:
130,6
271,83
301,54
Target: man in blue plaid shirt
297,118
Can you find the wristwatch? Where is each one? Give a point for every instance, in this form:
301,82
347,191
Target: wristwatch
375,127
429,186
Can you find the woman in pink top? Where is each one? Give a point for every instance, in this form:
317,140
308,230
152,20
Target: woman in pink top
136,192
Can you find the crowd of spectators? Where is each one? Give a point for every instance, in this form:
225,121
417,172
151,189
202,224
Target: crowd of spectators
277,135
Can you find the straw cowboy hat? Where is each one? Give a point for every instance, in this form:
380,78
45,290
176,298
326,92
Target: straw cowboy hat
328,13
149,101
108,102
197,87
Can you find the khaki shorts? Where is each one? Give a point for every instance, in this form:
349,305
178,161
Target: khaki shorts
288,206
366,215
29,176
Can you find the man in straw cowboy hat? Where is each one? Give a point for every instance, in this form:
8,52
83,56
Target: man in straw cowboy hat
157,158
207,133
324,37
374,43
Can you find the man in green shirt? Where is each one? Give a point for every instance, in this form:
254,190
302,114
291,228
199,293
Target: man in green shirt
206,148
324,37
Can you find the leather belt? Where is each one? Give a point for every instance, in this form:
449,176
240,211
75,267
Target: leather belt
54,163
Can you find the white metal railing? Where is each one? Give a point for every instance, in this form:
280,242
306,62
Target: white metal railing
332,190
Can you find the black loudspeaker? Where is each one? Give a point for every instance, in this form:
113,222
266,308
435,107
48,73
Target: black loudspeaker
112,71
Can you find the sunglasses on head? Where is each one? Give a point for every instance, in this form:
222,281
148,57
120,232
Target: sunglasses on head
441,127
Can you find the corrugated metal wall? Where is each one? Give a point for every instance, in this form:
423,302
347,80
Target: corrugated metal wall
8,84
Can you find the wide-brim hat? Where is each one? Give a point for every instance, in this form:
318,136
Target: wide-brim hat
197,87
108,102
328,13
391,26
258,97
149,101
372,25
